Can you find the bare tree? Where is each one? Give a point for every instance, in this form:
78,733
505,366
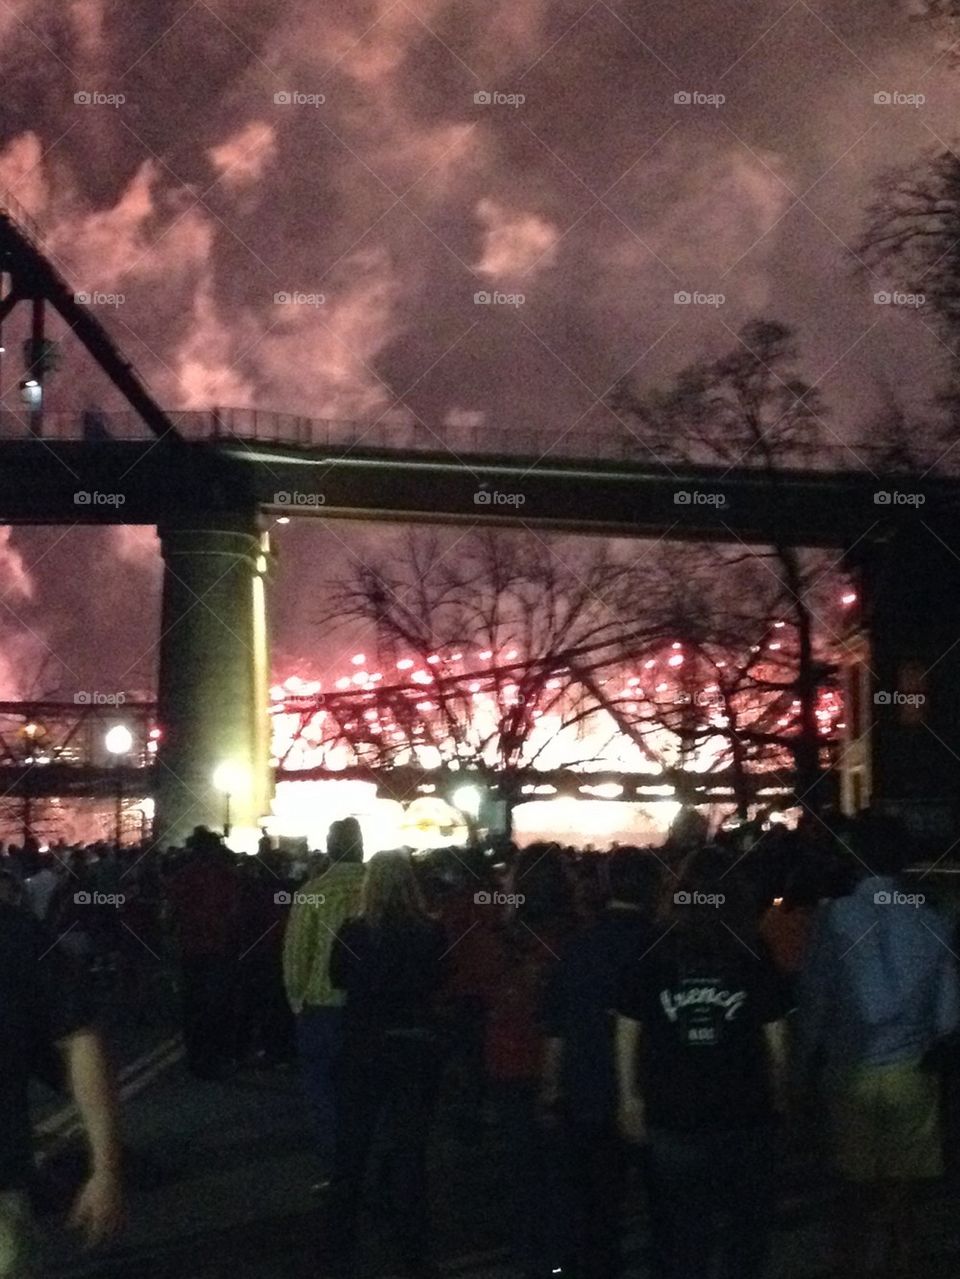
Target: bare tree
751,408
912,235
499,639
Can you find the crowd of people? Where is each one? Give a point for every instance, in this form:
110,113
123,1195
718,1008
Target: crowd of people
662,1024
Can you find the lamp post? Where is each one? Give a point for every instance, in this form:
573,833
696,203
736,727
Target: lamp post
119,742
228,778
468,801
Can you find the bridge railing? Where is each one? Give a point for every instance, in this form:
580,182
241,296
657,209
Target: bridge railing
251,426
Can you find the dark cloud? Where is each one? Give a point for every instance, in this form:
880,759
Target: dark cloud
397,197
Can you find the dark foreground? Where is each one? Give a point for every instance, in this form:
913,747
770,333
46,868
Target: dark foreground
219,1185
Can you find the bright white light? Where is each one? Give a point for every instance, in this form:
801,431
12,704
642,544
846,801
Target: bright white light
229,777
119,740
467,799
604,790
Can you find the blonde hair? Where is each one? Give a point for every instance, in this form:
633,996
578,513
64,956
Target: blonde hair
391,893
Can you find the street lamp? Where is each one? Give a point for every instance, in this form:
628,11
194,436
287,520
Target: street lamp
119,742
468,799
229,778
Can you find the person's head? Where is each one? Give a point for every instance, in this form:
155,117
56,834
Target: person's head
688,830
203,842
634,878
543,888
345,841
708,902
391,894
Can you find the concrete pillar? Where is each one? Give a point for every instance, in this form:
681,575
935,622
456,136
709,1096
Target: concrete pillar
911,605
213,681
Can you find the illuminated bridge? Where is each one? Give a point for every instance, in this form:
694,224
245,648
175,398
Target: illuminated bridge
212,480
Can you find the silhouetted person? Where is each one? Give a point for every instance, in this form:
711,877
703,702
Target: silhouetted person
204,898
388,960
701,1064
320,906
580,1082
878,995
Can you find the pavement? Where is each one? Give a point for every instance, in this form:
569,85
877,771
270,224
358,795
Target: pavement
219,1179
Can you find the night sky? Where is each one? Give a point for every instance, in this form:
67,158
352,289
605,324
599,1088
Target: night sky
200,196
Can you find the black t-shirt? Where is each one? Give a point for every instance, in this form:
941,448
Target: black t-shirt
703,1061
40,1003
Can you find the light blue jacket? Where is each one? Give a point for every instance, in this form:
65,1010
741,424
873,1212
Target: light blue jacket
880,982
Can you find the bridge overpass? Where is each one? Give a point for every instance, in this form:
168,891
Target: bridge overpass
212,481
